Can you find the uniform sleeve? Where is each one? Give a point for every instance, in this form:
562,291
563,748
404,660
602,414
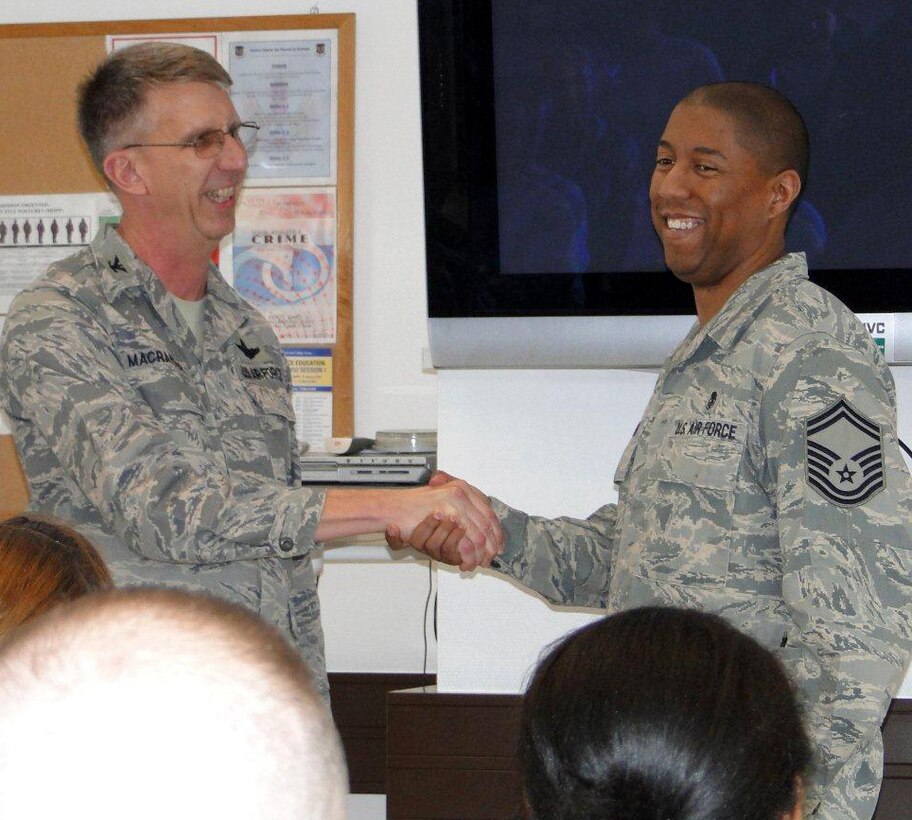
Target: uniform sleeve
842,496
566,560
68,393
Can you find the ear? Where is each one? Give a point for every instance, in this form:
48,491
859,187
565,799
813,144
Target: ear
785,187
121,170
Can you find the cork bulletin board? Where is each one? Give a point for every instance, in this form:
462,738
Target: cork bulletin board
41,66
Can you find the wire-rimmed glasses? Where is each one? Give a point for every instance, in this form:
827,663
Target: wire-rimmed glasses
209,144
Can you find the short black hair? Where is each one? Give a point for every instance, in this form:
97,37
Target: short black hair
658,713
768,124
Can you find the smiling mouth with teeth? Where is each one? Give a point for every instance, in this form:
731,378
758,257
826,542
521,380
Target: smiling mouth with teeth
222,195
682,224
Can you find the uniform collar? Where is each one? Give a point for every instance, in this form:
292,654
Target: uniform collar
742,306
121,270
726,326
226,312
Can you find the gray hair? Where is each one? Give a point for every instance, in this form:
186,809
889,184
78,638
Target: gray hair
113,95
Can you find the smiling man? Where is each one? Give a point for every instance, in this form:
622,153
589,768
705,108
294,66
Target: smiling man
722,191
765,481
150,404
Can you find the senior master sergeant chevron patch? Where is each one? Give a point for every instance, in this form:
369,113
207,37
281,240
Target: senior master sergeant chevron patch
844,455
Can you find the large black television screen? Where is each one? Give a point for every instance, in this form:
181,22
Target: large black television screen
540,122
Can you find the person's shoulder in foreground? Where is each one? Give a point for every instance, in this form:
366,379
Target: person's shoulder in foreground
161,703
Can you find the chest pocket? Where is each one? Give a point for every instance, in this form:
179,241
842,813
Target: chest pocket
688,498
174,403
277,423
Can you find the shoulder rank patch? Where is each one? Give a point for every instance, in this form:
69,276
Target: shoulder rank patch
845,461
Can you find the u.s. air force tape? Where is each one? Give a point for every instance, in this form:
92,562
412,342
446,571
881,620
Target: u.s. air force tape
845,461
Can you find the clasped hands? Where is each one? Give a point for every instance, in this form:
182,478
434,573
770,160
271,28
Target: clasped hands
454,524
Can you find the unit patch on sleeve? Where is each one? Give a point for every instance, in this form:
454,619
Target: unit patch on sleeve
845,461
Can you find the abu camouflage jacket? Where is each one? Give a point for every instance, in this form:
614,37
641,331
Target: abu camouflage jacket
182,470
765,483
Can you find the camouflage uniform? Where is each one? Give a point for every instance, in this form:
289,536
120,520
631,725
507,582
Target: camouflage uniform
183,471
764,483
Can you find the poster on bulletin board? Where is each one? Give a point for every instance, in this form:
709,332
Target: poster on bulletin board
294,76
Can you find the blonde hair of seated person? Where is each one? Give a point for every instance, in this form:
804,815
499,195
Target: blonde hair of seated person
159,703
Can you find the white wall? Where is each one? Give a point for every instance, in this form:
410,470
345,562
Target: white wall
378,611
545,441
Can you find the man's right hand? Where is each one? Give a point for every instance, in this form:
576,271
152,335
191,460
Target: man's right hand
437,536
449,537
450,520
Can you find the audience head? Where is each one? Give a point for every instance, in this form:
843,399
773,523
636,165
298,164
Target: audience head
43,563
160,703
662,714
111,99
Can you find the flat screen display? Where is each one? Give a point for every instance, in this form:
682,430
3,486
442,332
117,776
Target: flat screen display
540,123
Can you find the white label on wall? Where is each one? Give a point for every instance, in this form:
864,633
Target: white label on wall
881,326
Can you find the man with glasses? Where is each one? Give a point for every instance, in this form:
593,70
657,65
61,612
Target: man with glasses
150,404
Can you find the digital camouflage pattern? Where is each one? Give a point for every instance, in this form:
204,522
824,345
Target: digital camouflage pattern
184,471
716,511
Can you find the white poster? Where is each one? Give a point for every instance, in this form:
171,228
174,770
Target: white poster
286,82
38,230
312,394
283,259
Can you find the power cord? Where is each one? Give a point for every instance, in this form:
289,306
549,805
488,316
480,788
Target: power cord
902,444
427,604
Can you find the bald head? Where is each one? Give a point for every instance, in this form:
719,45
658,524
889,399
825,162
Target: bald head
768,125
158,703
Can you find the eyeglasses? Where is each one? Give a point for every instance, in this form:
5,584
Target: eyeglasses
210,143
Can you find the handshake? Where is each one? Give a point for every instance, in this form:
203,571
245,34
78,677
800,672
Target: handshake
450,521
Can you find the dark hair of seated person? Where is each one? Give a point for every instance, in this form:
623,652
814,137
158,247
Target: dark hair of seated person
662,714
42,563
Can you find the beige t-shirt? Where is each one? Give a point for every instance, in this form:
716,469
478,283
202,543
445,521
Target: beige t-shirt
194,314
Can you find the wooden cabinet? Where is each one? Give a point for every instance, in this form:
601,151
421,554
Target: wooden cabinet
450,755
453,756
359,712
